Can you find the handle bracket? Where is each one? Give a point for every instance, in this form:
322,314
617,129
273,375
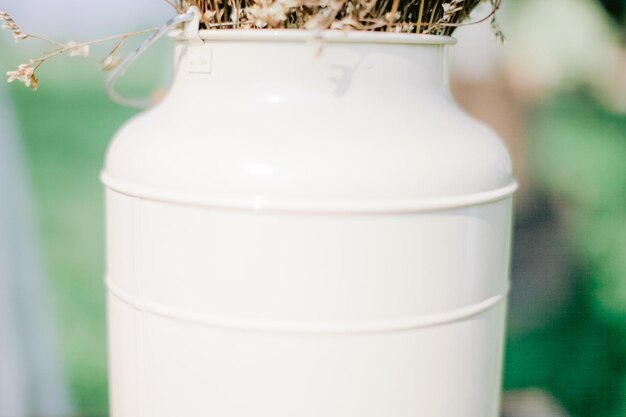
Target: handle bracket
192,28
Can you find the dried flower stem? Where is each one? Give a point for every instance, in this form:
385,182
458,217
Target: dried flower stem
26,73
174,6
420,15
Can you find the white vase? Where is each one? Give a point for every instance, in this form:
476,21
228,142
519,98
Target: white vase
307,226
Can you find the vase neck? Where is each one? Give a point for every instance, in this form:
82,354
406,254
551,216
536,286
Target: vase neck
339,70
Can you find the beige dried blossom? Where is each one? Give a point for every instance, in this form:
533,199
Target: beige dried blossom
404,27
77,50
110,62
209,16
327,14
392,17
264,13
450,9
9,23
25,74
316,22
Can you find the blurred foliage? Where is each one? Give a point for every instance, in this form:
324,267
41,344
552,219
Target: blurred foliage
579,158
66,132
616,8
576,357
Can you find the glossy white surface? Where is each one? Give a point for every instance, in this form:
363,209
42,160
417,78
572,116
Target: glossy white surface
308,122
307,230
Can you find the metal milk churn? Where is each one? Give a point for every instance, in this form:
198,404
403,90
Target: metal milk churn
307,228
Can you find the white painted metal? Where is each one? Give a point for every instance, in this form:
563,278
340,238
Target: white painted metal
311,228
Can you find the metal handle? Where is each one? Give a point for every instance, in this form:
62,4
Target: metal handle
191,17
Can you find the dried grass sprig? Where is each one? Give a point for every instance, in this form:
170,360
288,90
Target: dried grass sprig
26,73
9,23
495,27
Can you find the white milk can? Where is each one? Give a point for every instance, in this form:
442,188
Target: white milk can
307,226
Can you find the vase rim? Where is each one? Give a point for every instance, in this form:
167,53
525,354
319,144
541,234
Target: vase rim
333,36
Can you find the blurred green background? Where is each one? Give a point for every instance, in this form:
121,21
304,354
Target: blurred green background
64,128
567,325
65,150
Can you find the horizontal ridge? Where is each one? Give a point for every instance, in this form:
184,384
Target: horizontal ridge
260,203
260,325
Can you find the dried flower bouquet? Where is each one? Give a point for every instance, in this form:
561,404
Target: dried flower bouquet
432,17
438,17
